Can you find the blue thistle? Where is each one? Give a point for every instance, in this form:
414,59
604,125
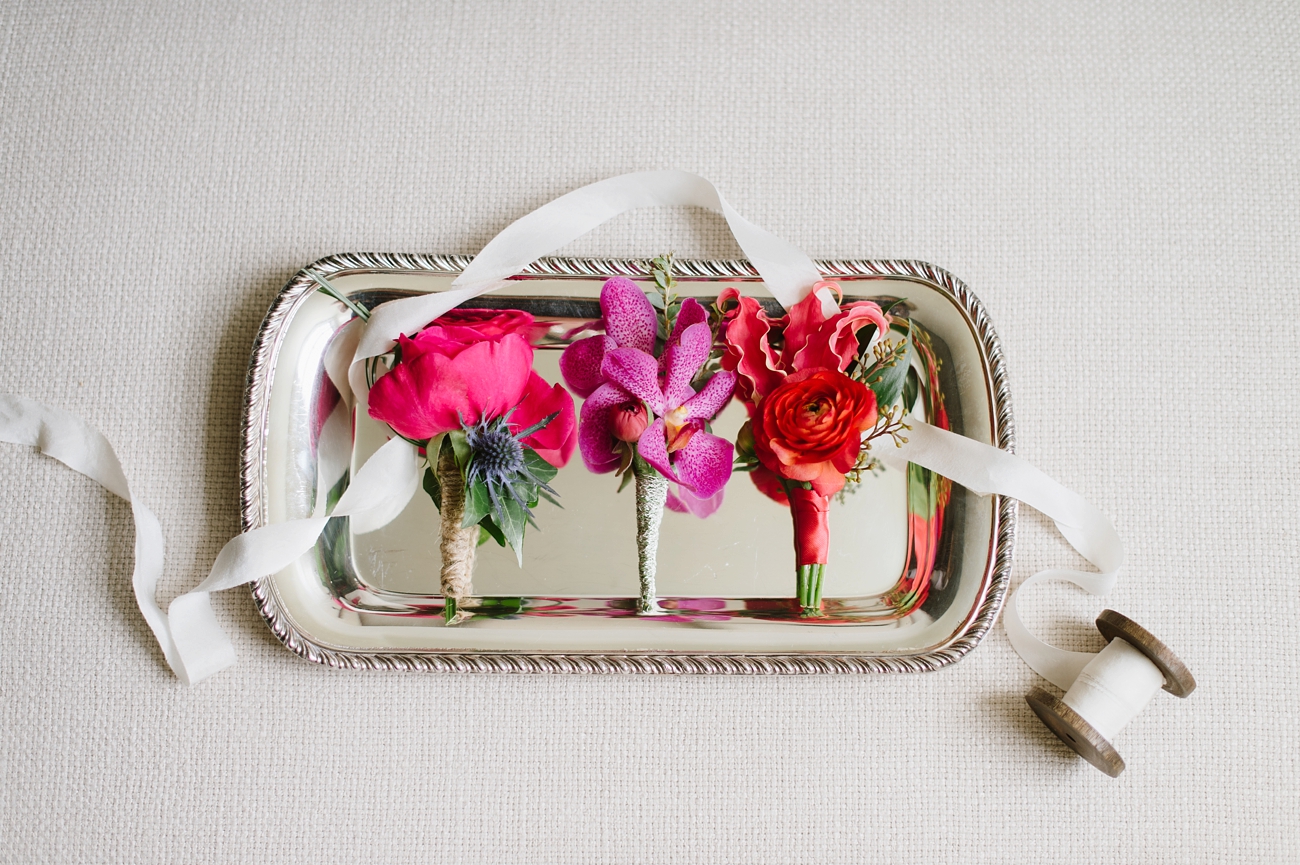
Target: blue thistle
504,479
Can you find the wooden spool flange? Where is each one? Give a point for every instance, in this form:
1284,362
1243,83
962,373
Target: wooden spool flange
1071,728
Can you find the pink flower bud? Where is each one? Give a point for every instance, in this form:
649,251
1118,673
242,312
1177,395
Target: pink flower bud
628,420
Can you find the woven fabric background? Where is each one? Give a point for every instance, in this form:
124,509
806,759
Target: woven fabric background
1119,182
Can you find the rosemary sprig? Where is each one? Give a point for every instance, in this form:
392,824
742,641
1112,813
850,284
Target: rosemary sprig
665,297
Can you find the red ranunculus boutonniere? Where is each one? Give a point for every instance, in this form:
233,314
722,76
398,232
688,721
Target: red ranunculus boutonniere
820,383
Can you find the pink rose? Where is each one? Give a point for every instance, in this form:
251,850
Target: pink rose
469,366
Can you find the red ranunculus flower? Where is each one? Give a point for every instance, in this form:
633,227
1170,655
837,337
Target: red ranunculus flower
810,427
469,366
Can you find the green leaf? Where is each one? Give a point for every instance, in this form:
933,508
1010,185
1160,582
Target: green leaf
656,301
489,526
540,468
887,382
512,520
432,487
477,504
888,307
911,390
460,448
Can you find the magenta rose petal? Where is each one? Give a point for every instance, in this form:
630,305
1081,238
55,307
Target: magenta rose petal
637,373
493,374
705,463
708,402
397,400
555,441
580,364
595,438
629,317
653,448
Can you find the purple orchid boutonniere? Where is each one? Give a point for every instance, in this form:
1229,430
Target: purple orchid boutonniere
643,416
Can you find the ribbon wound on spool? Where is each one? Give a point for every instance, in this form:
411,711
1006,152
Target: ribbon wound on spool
1111,691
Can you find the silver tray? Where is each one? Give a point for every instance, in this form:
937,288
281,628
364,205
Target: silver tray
371,601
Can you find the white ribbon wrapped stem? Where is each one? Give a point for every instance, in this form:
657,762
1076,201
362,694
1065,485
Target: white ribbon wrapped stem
192,640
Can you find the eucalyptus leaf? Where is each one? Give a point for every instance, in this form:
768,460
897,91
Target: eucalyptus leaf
911,390
888,384
656,301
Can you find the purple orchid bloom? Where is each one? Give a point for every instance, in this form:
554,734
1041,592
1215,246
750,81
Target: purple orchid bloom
618,373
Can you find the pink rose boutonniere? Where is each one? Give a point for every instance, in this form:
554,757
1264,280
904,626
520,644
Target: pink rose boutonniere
493,430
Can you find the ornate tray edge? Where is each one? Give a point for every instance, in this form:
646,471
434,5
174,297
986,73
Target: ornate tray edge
255,405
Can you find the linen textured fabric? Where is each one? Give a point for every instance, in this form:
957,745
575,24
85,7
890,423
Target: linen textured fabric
1121,187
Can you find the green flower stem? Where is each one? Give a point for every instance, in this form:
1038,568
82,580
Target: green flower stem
809,587
458,544
651,496
359,311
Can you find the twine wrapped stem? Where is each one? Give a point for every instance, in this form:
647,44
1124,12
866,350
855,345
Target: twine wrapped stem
458,544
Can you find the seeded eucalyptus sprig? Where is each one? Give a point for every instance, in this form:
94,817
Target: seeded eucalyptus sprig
886,372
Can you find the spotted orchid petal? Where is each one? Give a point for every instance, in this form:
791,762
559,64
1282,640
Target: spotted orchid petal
690,313
596,440
704,465
706,404
637,373
653,448
683,501
629,317
580,363
683,361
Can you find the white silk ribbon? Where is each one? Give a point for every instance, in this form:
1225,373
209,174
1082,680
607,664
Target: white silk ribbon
191,639
787,272
986,470
188,633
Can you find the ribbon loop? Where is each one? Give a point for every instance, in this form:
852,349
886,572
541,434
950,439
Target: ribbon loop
986,470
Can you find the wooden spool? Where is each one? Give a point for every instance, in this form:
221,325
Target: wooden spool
1072,729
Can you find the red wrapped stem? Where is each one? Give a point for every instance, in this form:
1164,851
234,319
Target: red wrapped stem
812,534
